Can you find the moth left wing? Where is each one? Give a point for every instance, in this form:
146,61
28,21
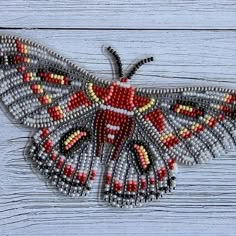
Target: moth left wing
191,125
39,87
43,90
65,154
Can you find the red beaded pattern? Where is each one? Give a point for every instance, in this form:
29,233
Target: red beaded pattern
73,138
157,119
230,98
76,100
54,78
56,113
187,110
142,156
169,140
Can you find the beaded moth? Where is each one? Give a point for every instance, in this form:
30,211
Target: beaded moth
80,119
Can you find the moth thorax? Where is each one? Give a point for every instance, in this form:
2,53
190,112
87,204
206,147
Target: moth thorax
122,96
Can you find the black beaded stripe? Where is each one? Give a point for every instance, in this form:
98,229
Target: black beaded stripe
189,104
51,69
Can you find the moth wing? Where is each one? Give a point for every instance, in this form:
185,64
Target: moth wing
65,154
192,125
39,87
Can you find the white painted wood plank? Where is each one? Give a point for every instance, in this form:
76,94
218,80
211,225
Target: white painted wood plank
204,202
160,14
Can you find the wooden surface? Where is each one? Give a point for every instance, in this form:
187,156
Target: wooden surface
125,14
204,202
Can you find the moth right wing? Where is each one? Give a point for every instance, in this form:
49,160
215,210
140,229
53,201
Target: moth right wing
192,125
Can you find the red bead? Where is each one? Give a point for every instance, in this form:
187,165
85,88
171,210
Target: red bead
70,172
152,180
157,119
79,175
83,178
60,163
53,157
44,133
48,144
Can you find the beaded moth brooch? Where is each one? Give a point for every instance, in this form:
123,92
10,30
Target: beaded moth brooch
80,120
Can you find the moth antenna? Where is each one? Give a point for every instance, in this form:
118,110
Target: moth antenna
138,65
117,60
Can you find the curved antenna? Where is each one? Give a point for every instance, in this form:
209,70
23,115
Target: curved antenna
138,65
117,60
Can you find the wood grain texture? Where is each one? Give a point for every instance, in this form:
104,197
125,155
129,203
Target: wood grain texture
204,202
125,14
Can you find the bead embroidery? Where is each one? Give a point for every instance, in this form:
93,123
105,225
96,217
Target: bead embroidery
140,134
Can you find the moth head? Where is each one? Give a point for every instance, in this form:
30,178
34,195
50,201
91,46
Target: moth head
123,78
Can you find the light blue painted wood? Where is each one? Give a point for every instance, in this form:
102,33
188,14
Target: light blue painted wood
125,14
204,202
